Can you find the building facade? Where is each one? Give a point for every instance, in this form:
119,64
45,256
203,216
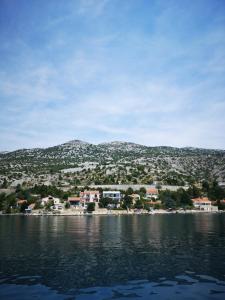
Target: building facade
90,196
152,193
202,204
115,196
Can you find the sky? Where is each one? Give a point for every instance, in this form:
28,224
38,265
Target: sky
144,71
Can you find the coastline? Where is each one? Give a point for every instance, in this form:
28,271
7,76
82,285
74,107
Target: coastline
112,213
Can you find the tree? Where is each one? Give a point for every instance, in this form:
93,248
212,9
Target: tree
104,202
49,204
157,206
27,195
38,205
67,205
100,190
221,205
183,198
127,201
8,203
194,192
205,186
129,191
147,206
215,192
169,202
45,190
138,204
158,186
18,188
65,196
2,200
142,191
168,198
91,206
4,184
23,206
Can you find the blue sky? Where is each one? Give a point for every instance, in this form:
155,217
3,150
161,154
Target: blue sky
145,71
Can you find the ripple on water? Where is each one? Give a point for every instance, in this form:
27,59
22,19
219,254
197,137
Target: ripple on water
99,258
138,289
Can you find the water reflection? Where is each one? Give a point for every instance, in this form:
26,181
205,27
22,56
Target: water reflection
73,253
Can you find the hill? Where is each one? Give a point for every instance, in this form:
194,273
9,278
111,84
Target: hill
79,162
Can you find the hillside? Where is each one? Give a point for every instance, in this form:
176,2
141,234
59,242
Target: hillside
78,162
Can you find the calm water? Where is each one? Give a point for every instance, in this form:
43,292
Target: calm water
113,257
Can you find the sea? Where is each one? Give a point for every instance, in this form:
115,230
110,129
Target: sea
168,256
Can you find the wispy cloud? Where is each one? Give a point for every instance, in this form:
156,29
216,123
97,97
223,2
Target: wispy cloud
92,7
142,75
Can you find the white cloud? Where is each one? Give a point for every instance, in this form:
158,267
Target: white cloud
149,86
34,84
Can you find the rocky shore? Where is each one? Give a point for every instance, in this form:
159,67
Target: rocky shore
70,212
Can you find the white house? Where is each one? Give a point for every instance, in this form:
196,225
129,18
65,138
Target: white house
152,193
90,196
113,195
202,204
56,201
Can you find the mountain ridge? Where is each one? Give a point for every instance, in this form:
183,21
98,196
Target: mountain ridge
112,143
113,162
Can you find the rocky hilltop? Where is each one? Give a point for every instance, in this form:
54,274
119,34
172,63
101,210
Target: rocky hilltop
79,162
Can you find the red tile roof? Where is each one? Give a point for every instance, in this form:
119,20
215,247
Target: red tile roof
152,191
201,200
90,192
74,199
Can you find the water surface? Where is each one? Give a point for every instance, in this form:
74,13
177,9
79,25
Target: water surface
113,257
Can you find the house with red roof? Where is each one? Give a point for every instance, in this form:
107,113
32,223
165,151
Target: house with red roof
152,193
84,198
203,203
90,196
75,202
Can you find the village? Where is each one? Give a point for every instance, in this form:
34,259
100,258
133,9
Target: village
116,202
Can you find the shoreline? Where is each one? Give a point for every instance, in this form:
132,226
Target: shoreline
112,213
